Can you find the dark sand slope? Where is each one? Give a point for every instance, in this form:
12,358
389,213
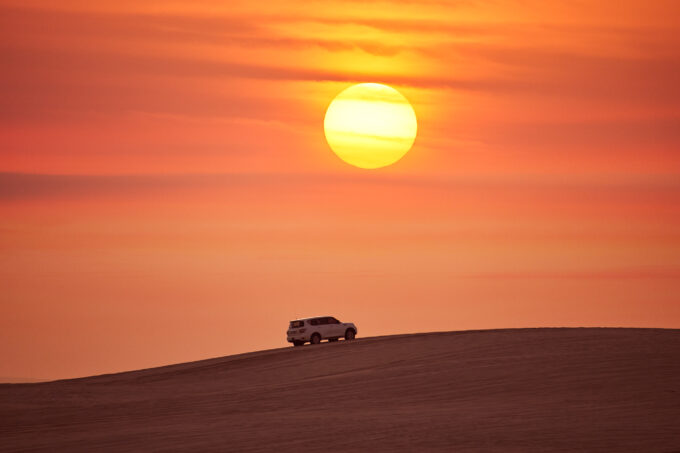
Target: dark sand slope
504,390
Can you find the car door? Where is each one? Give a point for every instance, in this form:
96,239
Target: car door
335,327
323,328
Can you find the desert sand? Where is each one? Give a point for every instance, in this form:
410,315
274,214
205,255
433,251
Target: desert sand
511,390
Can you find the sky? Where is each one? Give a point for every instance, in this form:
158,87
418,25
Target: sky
167,193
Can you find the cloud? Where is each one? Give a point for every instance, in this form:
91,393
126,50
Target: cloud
18,186
607,274
56,61
226,31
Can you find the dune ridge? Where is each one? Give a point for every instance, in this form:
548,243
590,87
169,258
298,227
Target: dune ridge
550,389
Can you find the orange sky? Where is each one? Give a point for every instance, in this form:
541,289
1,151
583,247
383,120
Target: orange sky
167,194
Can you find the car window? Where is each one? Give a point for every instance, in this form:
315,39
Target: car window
323,321
333,321
314,322
296,324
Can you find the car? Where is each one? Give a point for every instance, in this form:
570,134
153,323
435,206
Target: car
313,330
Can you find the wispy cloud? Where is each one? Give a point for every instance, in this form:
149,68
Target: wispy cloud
17,186
607,274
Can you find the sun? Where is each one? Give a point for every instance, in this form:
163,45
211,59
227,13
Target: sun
370,125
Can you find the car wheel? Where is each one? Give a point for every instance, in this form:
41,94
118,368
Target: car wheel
350,334
316,339
298,343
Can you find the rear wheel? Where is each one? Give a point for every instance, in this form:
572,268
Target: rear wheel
316,339
298,343
350,334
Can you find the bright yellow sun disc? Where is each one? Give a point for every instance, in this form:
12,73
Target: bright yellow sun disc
370,125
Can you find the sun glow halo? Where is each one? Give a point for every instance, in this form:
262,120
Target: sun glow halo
370,125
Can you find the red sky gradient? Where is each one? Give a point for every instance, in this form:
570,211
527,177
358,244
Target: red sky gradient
167,194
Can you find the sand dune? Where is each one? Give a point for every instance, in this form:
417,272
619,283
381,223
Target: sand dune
503,390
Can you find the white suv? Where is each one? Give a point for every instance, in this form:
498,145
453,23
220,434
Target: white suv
314,330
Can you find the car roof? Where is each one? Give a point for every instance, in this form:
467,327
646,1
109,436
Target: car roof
313,317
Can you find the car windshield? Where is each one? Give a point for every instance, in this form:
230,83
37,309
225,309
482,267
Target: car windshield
296,324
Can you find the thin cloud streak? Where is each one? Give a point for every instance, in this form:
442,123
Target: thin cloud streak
609,274
639,83
18,186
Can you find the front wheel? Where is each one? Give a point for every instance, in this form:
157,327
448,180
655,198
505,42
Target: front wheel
350,334
316,339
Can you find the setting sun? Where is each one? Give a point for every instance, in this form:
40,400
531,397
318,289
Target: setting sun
370,125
